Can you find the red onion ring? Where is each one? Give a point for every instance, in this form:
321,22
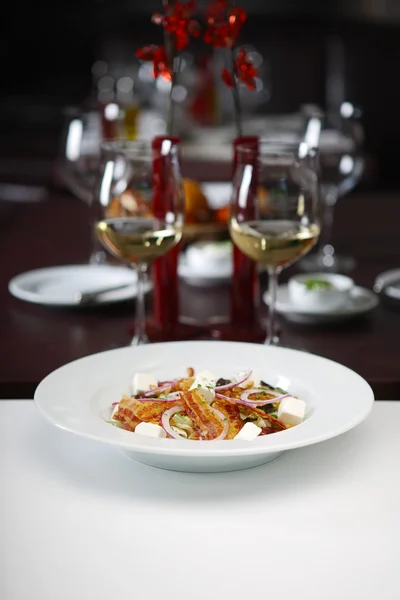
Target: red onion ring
245,397
251,403
234,400
114,404
160,388
175,397
225,421
231,385
165,421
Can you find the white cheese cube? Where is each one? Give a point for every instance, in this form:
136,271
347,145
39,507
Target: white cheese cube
248,433
253,379
151,430
291,411
205,384
141,382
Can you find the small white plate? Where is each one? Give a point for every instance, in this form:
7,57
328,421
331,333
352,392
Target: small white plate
78,398
384,279
57,286
361,301
214,275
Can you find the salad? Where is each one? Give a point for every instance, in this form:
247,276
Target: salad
203,407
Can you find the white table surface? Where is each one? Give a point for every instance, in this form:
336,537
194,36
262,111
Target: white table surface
80,521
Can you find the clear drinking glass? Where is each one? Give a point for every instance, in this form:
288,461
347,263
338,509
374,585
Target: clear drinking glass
79,159
123,209
341,167
274,209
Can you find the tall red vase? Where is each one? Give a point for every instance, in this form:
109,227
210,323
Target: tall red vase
244,322
164,323
165,268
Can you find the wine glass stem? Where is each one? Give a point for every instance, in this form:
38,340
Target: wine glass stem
140,336
97,256
272,338
329,202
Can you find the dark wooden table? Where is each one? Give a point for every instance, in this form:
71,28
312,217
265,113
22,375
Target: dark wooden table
34,340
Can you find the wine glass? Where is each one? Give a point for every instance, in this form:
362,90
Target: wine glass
341,168
126,223
274,209
79,159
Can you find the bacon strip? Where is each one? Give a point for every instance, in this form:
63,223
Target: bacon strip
125,414
183,385
275,424
132,411
207,425
232,413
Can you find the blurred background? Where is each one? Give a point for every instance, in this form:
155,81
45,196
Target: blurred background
83,53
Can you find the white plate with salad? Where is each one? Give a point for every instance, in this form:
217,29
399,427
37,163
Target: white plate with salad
204,406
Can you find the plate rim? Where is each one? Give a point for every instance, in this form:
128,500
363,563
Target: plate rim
207,449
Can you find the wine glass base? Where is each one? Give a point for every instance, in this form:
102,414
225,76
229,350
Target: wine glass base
272,340
139,341
327,263
98,258
171,333
255,332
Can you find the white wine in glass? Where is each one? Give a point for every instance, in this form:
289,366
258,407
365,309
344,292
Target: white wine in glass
274,244
137,240
123,210
274,209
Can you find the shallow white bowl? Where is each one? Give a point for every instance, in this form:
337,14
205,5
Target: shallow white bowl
78,396
320,300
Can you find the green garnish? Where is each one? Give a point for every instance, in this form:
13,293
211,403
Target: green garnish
116,424
318,284
275,389
280,390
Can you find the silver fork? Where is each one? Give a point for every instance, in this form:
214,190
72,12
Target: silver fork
83,298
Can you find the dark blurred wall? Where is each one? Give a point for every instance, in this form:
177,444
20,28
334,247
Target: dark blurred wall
46,56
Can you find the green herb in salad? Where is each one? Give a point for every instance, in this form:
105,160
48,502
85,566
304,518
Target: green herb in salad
275,389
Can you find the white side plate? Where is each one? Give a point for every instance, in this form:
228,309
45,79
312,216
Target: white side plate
57,286
361,301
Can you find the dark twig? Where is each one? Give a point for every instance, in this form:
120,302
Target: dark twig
236,97
170,51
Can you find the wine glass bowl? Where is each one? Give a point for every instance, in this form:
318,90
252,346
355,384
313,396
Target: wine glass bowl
80,151
341,166
274,209
79,158
127,221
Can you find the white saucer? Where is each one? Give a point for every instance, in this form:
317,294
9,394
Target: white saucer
208,277
57,286
384,279
361,301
